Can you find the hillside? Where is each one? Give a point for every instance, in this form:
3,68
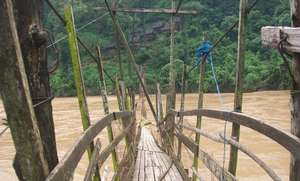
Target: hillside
149,33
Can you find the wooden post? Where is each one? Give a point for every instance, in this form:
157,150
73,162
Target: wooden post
103,91
79,83
159,107
30,162
199,117
238,96
183,87
295,93
33,42
171,97
142,95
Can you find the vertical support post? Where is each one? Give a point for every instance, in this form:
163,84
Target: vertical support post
103,91
126,106
199,117
171,97
295,93
30,161
142,94
238,96
159,107
77,73
183,87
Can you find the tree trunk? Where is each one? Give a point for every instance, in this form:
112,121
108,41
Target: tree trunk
295,93
30,162
33,40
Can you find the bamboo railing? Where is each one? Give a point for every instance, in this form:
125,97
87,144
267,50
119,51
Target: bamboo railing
65,169
285,139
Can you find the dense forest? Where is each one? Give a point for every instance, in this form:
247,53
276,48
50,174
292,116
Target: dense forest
149,37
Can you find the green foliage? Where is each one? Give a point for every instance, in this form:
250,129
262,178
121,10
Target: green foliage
264,68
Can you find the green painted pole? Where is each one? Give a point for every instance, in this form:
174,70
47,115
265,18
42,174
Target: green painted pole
199,117
79,83
103,90
238,96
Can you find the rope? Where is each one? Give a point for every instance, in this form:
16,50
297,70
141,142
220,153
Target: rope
226,33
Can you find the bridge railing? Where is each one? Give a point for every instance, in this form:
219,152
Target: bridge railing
285,139
65,169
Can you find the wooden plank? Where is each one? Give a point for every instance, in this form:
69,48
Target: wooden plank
93,163
285,139
191,145
214,167
144,10
272,35
65,168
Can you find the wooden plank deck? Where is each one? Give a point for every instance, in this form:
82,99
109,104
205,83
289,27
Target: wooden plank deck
152,162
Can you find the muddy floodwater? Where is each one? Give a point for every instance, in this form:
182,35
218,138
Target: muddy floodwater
271,107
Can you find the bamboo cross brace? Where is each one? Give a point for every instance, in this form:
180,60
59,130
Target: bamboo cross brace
132,58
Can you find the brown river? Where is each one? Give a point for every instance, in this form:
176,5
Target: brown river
271,107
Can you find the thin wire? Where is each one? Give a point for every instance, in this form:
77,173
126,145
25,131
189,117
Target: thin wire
79,29
222,105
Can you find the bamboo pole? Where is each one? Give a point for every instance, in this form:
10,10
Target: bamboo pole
79,83
199,117
238,97
159,107
142,95
171,97
103,91
183,87
295,94
132,59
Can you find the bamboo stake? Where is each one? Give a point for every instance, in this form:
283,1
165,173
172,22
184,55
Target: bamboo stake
79,83
199,117
131,58
183,83
171,97
238,97
142,96
103,90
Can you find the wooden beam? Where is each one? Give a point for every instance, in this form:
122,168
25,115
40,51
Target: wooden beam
295,94
190,144
238,96
215,167
271,37
144,10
